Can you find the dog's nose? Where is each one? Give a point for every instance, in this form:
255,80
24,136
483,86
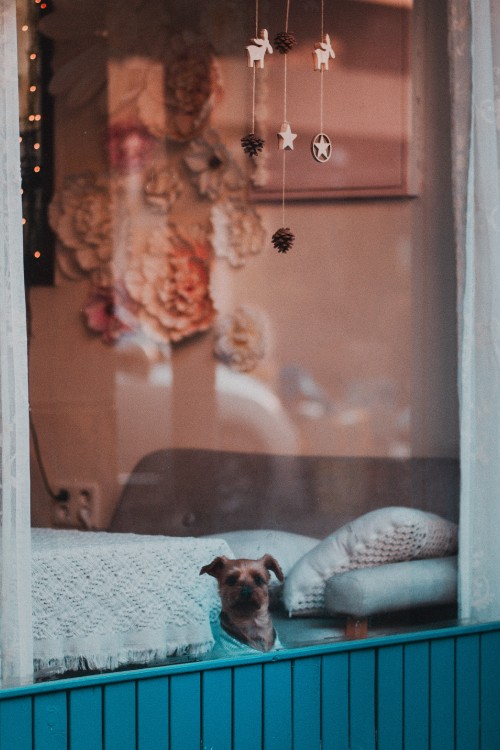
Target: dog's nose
246,591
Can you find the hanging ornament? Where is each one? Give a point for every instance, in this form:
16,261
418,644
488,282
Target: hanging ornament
286,137
283,238
321,145
252,144
284,41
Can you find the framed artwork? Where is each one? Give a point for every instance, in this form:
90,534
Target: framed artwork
365,107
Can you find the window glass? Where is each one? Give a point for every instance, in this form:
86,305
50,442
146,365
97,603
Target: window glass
253,345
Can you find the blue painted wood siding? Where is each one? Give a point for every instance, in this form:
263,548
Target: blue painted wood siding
434,691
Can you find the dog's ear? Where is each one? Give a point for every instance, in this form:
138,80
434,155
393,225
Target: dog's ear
271,563
214,568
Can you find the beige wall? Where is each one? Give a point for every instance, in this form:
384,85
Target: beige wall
362,310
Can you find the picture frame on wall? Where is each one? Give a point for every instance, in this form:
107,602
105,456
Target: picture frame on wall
365,108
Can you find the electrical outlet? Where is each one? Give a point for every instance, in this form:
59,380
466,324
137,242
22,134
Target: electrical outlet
77,512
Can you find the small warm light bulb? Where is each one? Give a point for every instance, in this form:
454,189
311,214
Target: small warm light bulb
33,56
36,169
32,88
38,117
37,254
24,221
36,146
43,6
31,118
24,28
20,139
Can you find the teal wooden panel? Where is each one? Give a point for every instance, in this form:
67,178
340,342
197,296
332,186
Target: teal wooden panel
16,726
390,697
467,693
362,700
416,696
490,691
306,701
185,711
217,719
85,718
119,721
442,697
50,722
335,701
247,707
153,714
277,698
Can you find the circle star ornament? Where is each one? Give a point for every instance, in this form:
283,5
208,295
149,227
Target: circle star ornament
321,147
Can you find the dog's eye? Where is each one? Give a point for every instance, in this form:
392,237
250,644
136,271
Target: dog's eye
258,580
231,580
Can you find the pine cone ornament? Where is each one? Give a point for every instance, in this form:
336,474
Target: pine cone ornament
252,144
284,41
283,239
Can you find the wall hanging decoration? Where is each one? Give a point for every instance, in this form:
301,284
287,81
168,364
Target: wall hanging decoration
154,162
256,51
237,231
283,238
367,114
240,339
321,145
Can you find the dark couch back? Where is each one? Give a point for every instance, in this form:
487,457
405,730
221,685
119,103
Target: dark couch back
185,492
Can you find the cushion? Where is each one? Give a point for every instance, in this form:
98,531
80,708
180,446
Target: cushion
387,588
382,536
285,546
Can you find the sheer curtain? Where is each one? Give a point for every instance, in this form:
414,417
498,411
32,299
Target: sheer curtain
475,78
15,560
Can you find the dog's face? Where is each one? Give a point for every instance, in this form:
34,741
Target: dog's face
243,584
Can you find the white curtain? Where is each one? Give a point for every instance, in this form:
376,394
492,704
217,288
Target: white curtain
15,557
474,46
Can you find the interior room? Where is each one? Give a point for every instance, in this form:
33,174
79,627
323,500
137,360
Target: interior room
284,391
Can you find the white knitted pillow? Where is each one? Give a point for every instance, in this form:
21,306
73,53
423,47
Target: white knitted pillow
381,536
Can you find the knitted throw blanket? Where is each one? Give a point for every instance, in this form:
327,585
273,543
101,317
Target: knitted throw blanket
101,601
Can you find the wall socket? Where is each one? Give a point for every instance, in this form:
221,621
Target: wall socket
78,511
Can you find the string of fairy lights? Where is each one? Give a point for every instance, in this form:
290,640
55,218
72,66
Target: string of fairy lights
31,138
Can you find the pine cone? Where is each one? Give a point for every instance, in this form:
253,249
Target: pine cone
284,41
283,239
252,144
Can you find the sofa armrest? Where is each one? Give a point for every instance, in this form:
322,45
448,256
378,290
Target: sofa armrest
396,586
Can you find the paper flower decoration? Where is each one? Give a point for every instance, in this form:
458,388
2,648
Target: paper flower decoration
170,284
80,216
212,168
237,231
240,339
128,146
191,85
162,187
109,312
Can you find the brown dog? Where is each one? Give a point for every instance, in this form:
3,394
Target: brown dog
243,589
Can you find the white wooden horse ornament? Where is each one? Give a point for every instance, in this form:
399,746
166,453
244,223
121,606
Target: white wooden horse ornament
323,51
258,49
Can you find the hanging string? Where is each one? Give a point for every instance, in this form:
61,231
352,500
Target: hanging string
251,143
322,69
285,98
254,68
321,145
283,238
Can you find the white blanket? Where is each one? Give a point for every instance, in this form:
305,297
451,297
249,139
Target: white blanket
101,601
